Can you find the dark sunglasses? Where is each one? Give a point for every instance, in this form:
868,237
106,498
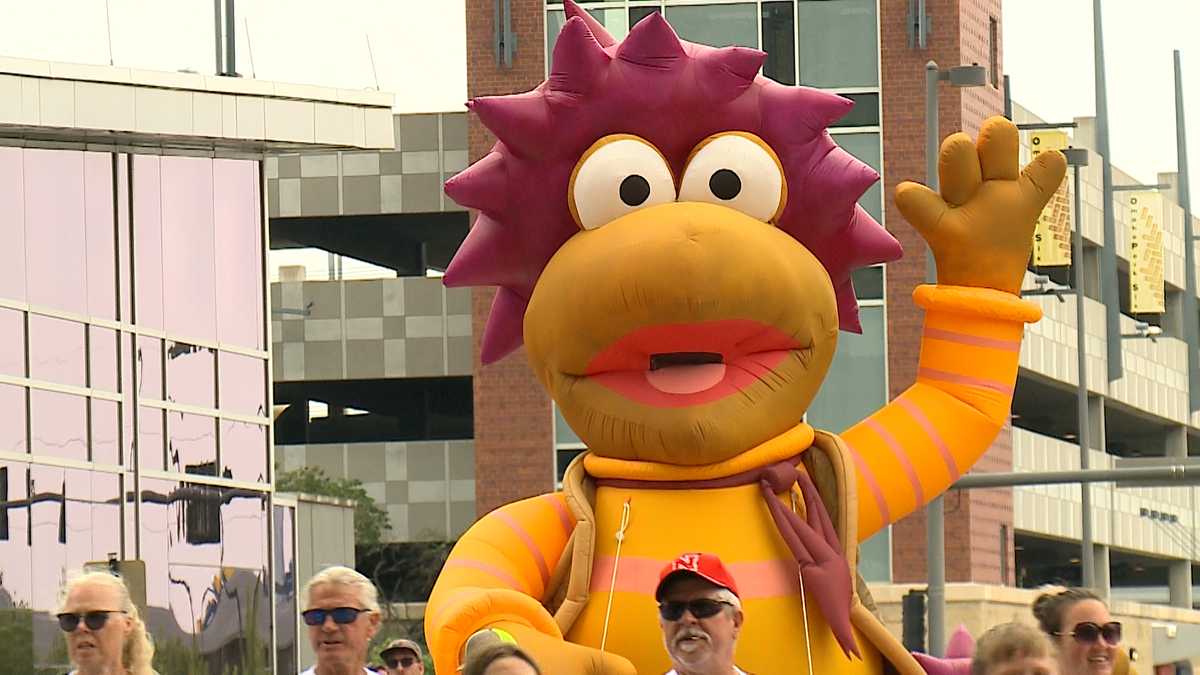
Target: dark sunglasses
701,608
93,620
341,615
1088,632
395,662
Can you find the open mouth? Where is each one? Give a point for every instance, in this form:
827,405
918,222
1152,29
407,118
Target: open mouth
677,365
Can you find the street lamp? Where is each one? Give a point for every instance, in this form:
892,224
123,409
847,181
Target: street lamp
973,75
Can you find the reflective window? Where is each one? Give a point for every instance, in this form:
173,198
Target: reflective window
54,229
101,235
866,148
189,282
123,280
49,535
191,443
150,438
865,112
779,41
563,433
106,421
636,14
243,384
56,352
12,342
839,43
129,406
106,515
102,348
12,419
147,242
716,25
239,264
190,374
12,224
285,590
615,21
16,584
59,424
149,368
855,386
243,451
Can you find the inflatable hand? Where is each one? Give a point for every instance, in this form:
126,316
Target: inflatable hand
981,225
553,655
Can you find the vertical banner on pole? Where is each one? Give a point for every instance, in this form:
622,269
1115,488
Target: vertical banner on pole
1146,294
1052,232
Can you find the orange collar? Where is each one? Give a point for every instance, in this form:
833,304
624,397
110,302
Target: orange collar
788,444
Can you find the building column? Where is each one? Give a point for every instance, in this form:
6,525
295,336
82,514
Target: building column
1100,530
1103,580
1180,582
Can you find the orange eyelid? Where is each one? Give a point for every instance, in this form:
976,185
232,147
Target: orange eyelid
783,192
603,141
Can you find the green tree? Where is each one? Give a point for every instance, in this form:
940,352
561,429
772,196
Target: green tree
370,519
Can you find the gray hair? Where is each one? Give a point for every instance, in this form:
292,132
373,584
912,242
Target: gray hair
338,575
726,595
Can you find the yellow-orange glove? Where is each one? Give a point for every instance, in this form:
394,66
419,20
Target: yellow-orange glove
980,227
551,654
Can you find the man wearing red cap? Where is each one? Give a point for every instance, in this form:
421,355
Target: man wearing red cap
700,612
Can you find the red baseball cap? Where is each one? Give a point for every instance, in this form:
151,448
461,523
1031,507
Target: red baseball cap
704,565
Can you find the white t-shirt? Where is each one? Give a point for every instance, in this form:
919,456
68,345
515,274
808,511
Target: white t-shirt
313,671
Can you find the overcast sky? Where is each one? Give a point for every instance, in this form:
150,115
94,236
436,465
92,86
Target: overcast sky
418,47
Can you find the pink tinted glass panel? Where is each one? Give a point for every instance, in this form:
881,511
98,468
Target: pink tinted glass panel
79,530
55,241
149,368
244,525
56,351
12,342
128,407
102,345
191,443
101,245
12,419
147,242
59,424
239,233
244,451
17,583
48,525
106,515
123,236
12,224
243,384
190,373
189,269
105,424
150,438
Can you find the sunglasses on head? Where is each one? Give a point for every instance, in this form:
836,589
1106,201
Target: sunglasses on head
701,608
1088,632
395,662
341,615
93,620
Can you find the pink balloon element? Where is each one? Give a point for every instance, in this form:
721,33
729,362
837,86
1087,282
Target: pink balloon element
935,666
960,645
673,94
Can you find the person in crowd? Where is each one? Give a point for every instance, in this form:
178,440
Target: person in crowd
1013,649
403,657
501,658
700,612
342,615
1081,629
104,631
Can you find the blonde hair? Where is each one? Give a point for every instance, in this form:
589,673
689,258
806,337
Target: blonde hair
1008,641
137,652
344,576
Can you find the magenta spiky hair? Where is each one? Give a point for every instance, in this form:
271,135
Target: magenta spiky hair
673,94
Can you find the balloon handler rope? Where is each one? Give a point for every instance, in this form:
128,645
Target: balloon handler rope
612,586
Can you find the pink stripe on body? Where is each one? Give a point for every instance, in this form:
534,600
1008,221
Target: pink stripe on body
763,579
530,544
955,378
487,568
868,477
919,416
564,516
901,456
973,340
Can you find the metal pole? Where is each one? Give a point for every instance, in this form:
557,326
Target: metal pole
1108,257
230,39
1182,183
1151,476
1008,109
935,514
1086,540
217,35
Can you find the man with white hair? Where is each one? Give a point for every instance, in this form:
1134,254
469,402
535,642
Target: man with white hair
700,612
342,615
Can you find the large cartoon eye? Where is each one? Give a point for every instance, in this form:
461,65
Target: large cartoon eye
738,170
618,175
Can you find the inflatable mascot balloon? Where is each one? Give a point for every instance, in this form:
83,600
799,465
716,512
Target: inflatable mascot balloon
673,237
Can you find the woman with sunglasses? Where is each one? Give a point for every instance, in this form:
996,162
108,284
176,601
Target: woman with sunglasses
104,633
1080,626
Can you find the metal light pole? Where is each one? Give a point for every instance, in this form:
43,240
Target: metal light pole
935,515
1108,256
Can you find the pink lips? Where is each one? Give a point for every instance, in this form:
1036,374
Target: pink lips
748,349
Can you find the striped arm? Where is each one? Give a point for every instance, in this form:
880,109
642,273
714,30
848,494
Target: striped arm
913,448
499,569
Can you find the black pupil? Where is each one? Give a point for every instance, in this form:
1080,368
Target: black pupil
725,184
635,190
